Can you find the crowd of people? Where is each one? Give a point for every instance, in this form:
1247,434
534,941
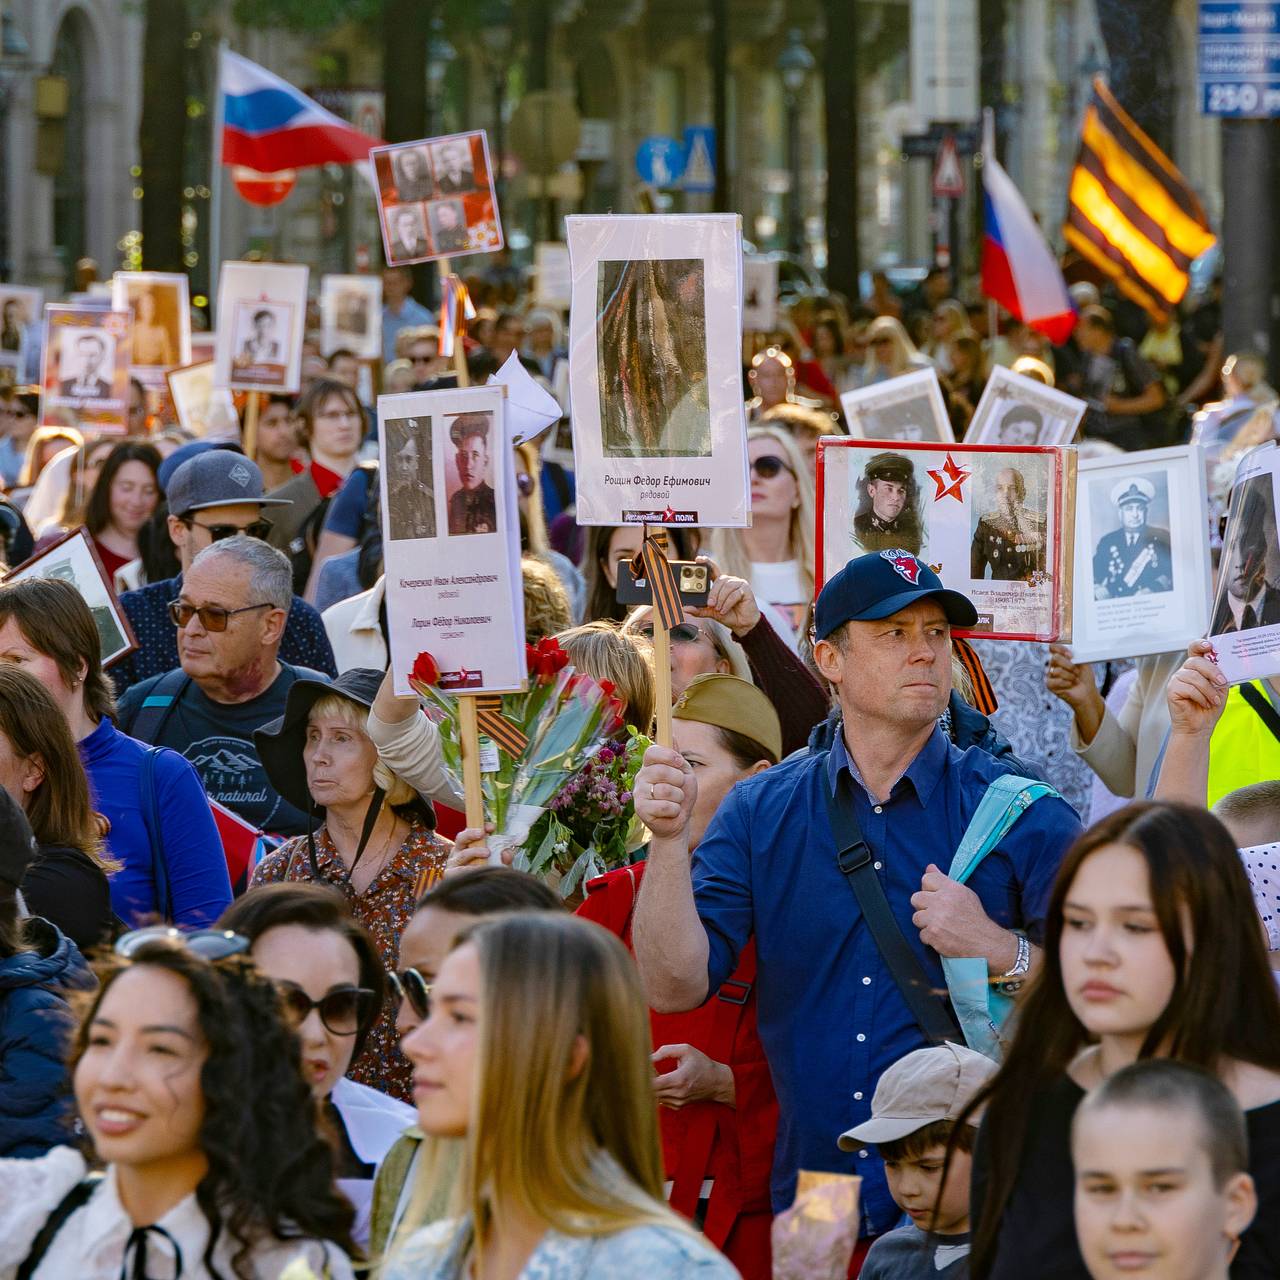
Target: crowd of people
1012,968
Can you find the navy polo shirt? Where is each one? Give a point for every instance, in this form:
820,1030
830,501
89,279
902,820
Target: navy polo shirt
831,1016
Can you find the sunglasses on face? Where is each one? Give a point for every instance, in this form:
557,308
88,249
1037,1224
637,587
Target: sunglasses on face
213,617
343,1011
769,466
216,532
681,633
209,944
410,985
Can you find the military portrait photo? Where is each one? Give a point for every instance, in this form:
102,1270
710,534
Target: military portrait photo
86,367
1135,556
1009,520
1018,411
455,170
908,407
651,358
907,420
888,513
1249,574
1021,425
411,494
413,174
469,475
448,221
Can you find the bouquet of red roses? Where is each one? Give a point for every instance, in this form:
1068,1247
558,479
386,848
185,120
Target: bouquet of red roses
565,717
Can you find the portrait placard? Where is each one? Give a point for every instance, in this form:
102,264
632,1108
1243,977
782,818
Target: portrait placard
85,380
1017,410
436,198
20,308
351,315
161,311
1142,577
262,310
203,409
552,281
72,559
1244,625
451,538
993,523
909,408
659,427
759,294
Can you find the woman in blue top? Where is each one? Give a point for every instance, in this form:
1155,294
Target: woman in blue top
161,828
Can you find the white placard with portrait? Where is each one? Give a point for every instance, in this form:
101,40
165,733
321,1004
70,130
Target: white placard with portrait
909,408
759,294
1017,410
451,538
994,524
262,316
20,309
655,333
351,316
161,310
1142,565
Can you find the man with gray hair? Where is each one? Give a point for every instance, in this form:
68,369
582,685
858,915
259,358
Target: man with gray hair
230,615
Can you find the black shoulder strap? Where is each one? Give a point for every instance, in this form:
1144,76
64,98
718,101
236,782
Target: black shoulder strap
153,714
53,1224
854,857
1262,705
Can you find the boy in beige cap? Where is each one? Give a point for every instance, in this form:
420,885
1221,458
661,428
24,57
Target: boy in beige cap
913,1115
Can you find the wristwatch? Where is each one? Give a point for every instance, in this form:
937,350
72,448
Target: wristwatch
1010,983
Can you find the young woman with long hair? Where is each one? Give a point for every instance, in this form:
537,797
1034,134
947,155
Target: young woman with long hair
536,1052
1152,948
123,499
189,1084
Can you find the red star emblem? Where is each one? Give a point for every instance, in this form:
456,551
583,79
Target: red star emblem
949,480
669,516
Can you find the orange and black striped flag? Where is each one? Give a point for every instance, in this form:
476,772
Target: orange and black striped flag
1130,212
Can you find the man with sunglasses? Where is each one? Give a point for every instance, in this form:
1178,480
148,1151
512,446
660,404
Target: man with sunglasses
229,618
213,493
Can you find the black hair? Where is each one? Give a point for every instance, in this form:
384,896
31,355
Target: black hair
486,891
98,511
938,1133
745,751
342,353
270,1173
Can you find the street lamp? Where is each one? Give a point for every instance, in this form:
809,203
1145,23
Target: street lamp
794,64
497,36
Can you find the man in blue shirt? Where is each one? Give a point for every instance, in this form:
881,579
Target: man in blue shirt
214,494
832,1018
399,310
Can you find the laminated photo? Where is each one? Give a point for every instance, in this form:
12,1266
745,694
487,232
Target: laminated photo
759,294
551,278
451,538
351,315
659,428
909,407
1142,577
20,308
993,523
161,334
262,309
1016,410
436,198
207,411
1244,626
85,380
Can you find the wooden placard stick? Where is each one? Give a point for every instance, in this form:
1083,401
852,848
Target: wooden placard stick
249,436
469,733
665,610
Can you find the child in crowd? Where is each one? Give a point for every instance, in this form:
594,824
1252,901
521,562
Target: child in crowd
1252,815
1162,1188
913,1114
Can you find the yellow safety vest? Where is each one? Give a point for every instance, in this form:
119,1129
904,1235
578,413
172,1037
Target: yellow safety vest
1242,750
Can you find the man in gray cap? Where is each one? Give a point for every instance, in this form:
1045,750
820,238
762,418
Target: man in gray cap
1135,559
214,495
472,507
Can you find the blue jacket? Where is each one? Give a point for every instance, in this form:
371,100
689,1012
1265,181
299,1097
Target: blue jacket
36,1024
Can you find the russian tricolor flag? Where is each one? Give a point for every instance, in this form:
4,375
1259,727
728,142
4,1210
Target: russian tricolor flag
1018,268
269,126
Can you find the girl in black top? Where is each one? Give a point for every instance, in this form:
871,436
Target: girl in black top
1153,948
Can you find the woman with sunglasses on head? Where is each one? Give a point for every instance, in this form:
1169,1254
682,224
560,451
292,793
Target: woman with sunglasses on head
776,554
188,1082
375,842
159,826
536,1054
333,984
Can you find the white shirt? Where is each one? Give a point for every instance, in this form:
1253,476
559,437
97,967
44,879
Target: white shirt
91,1243
373,1121
353,630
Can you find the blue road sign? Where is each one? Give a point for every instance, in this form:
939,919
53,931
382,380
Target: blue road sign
699,159
1239,58
660,161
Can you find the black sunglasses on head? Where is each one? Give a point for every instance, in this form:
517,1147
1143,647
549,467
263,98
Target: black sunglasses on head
410,985
255,529
681,633
209,944
343,1011
769,466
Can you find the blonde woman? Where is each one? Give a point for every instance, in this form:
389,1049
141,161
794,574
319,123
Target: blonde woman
776,554
536,1054
890,351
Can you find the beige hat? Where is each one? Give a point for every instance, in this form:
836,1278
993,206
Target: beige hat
922,1088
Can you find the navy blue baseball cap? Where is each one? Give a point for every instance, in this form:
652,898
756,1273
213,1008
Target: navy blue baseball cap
879,584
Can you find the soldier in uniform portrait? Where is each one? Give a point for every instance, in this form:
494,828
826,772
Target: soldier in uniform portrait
1135,559
888,514
410,493
472,507
1021,425
1010,541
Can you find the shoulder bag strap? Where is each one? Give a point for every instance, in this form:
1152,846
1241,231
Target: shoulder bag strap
1262,705
150,795
58,1215
1005,801
854,858
149,720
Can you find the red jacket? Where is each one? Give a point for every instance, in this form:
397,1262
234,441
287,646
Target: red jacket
733,1145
